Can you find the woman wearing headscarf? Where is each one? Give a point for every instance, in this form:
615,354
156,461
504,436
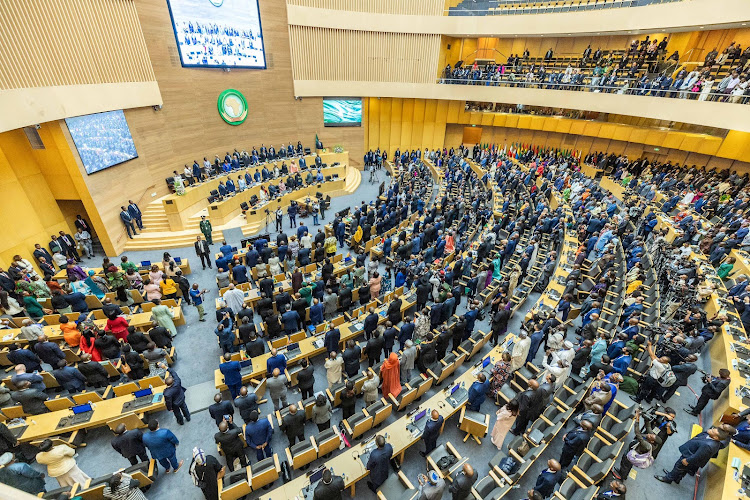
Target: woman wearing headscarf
206,471
390,375
96,284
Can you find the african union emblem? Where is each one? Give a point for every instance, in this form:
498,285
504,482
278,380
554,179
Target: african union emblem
232,107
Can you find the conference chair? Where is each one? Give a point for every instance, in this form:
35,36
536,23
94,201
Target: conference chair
475,424
327,441
573,489
380,410
421,383
334,393
358,424
404,399
445,450
300,455
265,472
235,484
397,487
591,469
604,449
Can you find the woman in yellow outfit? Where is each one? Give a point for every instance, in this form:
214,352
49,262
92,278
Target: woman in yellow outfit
168,288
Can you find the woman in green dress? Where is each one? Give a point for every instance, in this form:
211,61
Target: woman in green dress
33,307
496,268
163,316
119,283
726,268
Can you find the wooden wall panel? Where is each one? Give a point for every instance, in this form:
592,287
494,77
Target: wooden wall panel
408,7
363,55
47,43
189,127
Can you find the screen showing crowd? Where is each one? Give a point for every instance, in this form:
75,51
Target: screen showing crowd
342,112
218,33
102,139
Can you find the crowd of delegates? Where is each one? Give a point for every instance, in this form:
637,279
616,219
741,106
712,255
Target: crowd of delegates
412,256
626,74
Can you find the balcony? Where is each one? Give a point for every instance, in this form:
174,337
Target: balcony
521,7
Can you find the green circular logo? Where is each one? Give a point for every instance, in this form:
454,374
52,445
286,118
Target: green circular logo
232,107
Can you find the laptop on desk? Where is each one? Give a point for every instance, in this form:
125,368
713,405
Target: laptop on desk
145,265
292,350
457,396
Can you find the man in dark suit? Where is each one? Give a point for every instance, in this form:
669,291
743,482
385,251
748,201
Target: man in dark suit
306,379
379,463
461,486
24,357
293,425
220,408
351,356
246,403
528,401
40,252
374,348
575,441
127,220
711,390
31,400
129,444
69,377
406,332
695,454
49,352
174,396
432,430
330,487
370,323
68,245
96,375
135,213
548,478
231,444
232,371
203,251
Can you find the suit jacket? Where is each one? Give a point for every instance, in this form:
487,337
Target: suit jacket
49,352
129,443
461,486
293,425
201,247
175,394
306,377
379,464
230,441
371,323
31,400
330,491
432,429
161,443
70,378
218,410
576,440
545,483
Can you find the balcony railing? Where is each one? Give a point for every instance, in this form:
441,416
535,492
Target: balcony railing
624,86
520,7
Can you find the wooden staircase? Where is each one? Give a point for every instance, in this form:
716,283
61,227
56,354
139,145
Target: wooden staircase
156,233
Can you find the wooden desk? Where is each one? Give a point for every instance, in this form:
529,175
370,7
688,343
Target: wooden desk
726,486
184,265
45,425
180,208
400,438
221,212
308,345
139,321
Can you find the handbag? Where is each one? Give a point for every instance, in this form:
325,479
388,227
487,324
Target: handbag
640,460
125,368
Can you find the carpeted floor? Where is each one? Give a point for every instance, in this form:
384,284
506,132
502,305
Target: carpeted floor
198,357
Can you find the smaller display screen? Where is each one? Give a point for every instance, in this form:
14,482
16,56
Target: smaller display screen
342,112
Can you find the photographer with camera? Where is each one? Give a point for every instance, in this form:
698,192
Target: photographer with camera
640,450
657,377
662,424
713,388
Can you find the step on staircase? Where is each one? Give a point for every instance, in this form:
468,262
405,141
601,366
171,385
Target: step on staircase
352,182
157,235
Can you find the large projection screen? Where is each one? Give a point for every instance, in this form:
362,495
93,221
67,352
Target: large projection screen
218,33
103,140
